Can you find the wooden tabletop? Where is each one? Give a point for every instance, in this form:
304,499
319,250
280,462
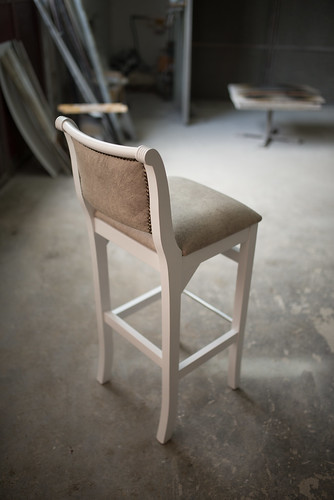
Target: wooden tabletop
284,97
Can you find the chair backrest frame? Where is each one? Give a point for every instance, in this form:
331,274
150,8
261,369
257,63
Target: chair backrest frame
160,209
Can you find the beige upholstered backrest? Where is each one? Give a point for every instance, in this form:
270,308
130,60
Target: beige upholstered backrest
116,187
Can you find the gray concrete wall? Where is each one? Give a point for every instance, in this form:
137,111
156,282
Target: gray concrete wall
120,34
262,41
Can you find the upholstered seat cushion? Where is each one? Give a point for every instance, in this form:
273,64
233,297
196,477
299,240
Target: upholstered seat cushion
201,216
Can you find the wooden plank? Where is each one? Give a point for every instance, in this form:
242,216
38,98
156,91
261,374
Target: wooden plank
74,109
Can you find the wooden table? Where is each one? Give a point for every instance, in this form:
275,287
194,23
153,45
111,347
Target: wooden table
270,98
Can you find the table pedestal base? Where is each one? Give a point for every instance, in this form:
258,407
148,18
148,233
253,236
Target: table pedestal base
271,133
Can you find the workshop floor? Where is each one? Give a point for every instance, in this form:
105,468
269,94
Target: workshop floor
65,436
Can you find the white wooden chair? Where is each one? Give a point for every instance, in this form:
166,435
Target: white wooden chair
173,226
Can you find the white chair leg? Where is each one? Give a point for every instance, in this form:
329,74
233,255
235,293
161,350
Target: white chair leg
244,276
171,309
102,300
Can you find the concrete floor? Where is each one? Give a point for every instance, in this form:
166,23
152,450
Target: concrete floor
65,436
